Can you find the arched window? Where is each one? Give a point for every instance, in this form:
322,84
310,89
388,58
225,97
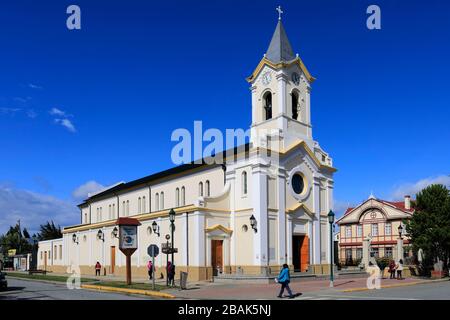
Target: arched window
143,204
85,218
244,182
157,202
124,212
128,208
114,211
162,201
101,209
109,212
268,105
200,189
295,105
208,191
139,205
183,196
177,197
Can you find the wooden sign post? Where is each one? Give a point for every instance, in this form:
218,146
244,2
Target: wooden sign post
128,240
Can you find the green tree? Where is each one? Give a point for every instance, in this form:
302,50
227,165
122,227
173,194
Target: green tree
14,239
49,231
429,228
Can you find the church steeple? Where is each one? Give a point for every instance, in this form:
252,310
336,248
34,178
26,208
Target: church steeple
280,49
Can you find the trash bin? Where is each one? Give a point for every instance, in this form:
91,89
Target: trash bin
183,280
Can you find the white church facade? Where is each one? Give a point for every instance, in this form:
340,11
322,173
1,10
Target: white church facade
288,198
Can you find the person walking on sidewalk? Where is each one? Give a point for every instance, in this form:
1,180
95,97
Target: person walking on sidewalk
399,268
284,279
150,268
98,267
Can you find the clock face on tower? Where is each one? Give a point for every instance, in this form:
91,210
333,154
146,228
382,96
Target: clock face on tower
295,78
266,78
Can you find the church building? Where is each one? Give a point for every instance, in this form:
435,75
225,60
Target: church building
264,206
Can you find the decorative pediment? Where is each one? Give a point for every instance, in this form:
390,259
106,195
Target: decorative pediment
373,210
218,230
299,206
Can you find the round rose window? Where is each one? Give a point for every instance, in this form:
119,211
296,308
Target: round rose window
298,185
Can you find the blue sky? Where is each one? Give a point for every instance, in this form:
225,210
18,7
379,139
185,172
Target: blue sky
88,108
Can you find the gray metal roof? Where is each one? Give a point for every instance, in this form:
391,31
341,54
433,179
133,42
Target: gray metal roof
280,49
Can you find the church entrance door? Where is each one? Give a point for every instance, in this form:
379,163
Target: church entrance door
217,256
300,253
113,259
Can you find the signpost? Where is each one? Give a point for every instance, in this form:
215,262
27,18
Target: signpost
128,240
153,252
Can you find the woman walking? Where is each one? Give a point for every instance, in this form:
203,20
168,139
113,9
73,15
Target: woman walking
98,267
399,268
284,279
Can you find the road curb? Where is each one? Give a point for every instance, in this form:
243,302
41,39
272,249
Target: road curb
129,291
396,285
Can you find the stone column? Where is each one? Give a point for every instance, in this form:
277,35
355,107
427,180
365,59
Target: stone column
259,201
366,252
282,237
316,259
399,249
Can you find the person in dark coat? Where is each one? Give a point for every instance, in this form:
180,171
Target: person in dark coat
98,267
284,279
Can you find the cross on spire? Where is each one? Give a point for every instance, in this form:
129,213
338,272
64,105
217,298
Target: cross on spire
279,12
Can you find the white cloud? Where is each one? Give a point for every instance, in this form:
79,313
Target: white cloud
31,114
34,209
83,191
413,188
11,111
34,86
67,124
340,207
57,112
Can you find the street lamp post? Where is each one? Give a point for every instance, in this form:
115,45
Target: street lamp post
331,221
400,243
167,260
172,229
101,236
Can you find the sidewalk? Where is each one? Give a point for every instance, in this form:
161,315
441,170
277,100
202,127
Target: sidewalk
236,290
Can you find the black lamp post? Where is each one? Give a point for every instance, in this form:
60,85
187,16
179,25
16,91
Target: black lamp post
172,229
400,231
253,223
155,228
331,221
115,232
167,260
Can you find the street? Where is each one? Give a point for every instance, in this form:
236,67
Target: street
34,290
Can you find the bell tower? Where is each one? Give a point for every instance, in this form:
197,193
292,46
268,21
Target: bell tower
280,87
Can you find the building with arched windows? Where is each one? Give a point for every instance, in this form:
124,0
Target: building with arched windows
264,206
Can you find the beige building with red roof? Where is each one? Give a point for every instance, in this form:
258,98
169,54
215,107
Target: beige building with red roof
378,222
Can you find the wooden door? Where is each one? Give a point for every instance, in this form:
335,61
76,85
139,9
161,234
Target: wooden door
304,254
113,259
217,254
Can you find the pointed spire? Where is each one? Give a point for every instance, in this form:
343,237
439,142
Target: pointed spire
280,49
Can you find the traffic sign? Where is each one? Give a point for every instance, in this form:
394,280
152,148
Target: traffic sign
153,250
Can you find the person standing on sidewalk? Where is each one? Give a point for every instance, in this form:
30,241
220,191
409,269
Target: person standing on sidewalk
399,268
392,269
284,279
98,267
150,269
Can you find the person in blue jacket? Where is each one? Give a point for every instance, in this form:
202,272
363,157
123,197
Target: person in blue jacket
284,279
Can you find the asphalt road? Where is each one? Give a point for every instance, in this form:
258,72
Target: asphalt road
429,291
34,290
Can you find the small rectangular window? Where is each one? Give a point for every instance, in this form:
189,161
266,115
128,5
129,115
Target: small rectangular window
374,229
388,229
348,231
359,230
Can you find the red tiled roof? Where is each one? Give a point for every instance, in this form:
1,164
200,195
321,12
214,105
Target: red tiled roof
398,204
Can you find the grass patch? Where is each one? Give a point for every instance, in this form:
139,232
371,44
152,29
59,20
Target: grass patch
139,286
45,277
